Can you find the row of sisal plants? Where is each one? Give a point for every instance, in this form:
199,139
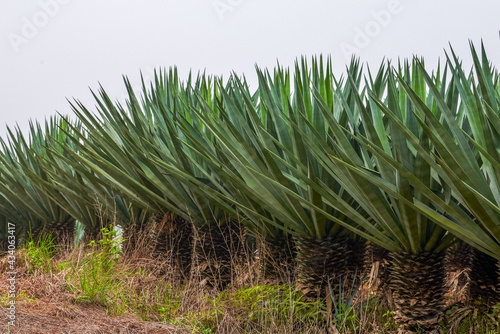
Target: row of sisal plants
399,163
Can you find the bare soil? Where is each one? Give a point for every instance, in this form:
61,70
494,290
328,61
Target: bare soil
45,306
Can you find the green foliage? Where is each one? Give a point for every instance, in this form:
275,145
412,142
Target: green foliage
39,253
404,158
342,311
23,199
196,328
474,320
274,303
21,296
96,278
259,307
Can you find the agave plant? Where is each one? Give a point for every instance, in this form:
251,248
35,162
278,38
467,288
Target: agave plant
22,172
11,213
64,185
105,161
203,148
128,147
481,102
439,144
466,159
260,155
220,238
415,240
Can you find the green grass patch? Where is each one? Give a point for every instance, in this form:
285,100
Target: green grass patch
39,253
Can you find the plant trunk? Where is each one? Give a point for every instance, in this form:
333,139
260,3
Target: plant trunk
278,259
377,262
171,241
91,234
63,232
37,230
215,252
356,266
418,285
320,260
457,266
4,233
164,237
483,279
134,238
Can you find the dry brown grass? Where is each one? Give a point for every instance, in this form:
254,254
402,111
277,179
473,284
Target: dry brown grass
151,298
46,305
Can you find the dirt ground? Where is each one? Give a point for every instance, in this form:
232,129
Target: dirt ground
45,306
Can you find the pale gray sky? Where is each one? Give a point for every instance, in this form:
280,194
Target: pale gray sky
51,50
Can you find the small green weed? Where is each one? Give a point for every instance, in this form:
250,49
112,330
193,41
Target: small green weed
342,311
281,301
97,278
22,296
195,328
474,320
39,254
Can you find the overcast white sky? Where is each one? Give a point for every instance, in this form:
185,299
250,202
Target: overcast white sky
51,50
